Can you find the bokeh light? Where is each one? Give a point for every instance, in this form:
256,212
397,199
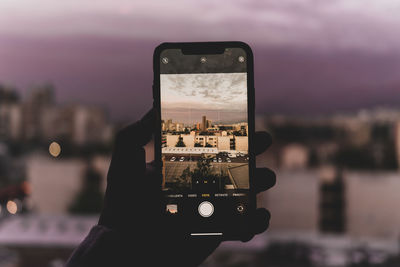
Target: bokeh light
54,149
12,207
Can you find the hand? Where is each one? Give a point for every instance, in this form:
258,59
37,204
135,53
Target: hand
133,203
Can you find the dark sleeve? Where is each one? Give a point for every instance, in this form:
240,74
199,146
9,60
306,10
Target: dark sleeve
101,247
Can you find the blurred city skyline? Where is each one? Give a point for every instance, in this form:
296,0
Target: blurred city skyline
310,57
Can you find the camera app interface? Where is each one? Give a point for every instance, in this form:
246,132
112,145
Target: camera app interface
204,138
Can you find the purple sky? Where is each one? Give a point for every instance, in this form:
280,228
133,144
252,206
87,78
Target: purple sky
310,56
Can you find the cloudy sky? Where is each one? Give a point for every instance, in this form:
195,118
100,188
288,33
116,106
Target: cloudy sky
310,56
364,24
222,97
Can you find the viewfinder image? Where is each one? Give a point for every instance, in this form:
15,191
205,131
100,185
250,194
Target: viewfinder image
204,132
204,127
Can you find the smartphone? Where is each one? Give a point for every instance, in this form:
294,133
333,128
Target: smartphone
204,93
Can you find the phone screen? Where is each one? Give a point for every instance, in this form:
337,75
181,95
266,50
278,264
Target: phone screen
204,137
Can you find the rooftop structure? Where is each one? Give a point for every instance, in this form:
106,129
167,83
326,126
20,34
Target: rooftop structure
190,150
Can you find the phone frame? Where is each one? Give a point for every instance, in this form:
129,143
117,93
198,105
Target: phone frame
199,48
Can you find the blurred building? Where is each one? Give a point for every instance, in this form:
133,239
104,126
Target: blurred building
35,106
10,121
371,200
294,156
293,202
362,140
367,207
355,131
78,124
55,183
332,205
39,118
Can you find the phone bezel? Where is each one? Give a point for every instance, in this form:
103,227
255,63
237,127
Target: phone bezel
210,48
